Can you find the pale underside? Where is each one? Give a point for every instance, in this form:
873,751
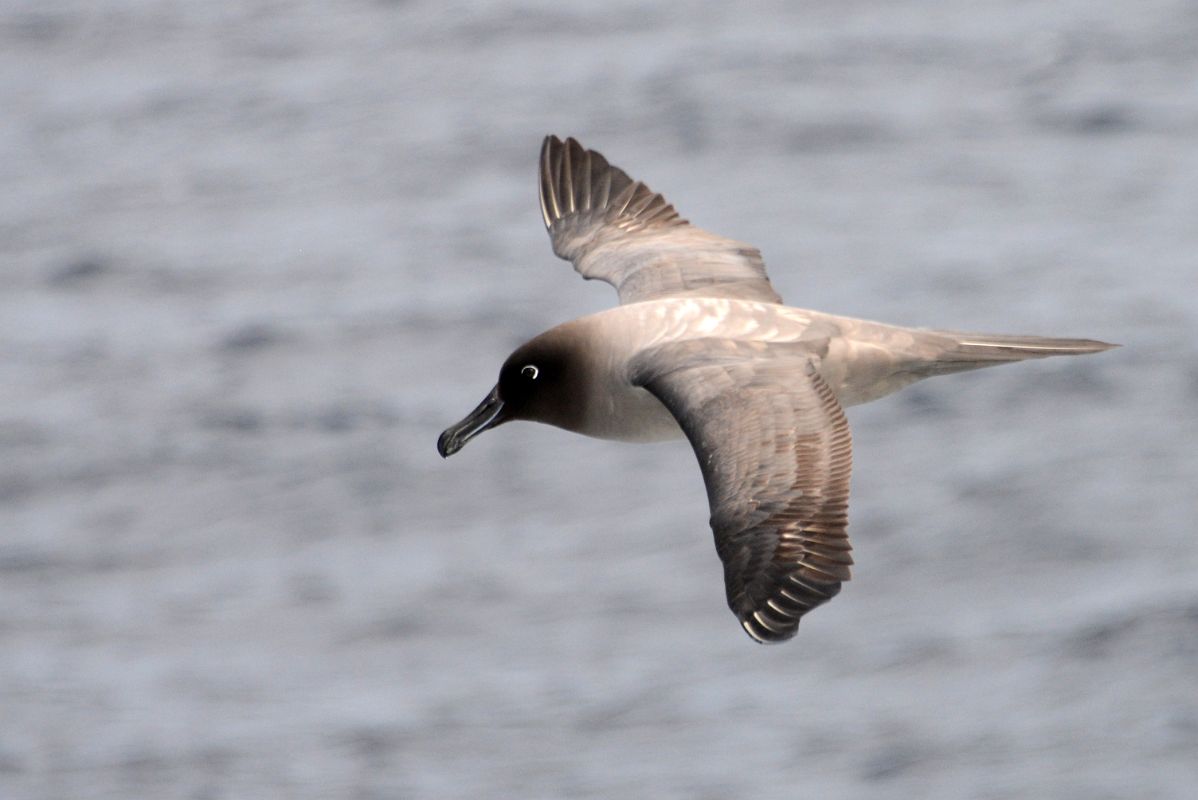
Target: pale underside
702,344
771,438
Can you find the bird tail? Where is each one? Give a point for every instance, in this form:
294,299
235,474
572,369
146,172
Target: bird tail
965,351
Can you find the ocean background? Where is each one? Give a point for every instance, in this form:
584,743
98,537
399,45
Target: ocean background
255,256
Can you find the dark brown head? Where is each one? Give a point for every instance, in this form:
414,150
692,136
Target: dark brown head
542,381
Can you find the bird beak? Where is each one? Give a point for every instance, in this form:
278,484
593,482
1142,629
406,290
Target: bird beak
488,414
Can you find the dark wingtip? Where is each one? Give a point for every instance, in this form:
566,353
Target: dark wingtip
763,635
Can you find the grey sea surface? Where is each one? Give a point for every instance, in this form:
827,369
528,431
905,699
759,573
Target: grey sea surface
254,256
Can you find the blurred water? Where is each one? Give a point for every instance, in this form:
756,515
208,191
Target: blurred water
254,256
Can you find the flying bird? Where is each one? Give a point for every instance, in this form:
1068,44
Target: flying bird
701,346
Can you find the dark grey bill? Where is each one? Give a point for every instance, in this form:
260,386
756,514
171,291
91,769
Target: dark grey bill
488,414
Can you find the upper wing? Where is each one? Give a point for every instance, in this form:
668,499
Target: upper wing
620,231
774,447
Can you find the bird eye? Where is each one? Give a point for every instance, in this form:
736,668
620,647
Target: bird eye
530,372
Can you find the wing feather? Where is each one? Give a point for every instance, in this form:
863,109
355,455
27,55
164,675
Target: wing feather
620,231
776,455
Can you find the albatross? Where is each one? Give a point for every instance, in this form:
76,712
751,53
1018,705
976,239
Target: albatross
702,346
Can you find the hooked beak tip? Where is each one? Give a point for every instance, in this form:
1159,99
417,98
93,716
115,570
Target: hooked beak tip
445,444
487,415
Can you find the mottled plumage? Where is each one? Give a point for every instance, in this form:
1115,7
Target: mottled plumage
701,346
620,231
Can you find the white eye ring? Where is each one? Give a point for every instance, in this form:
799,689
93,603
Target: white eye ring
530,372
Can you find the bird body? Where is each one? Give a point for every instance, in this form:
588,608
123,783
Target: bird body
701,346
860,360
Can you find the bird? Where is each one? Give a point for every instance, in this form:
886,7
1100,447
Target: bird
702,347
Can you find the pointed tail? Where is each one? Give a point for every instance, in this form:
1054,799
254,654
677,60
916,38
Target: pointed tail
964,351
